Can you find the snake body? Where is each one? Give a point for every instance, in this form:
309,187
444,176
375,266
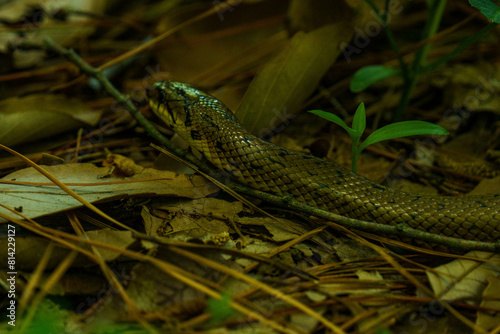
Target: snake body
210,127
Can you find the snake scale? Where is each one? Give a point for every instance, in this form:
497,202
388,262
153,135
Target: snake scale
210,127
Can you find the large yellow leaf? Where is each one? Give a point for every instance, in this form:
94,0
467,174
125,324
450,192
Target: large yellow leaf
278,91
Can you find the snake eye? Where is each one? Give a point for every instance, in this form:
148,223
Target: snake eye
162,96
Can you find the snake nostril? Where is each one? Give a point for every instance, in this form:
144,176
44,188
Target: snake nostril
155,93
150,92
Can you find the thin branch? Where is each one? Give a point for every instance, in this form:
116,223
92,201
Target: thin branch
400,230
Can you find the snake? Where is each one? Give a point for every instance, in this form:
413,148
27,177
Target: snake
212,129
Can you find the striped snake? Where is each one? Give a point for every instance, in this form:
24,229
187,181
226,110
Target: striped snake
210,127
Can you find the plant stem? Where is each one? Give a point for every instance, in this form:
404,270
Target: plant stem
431,27
390,37
355,154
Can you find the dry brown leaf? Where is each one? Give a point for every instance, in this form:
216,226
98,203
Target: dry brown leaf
30,249
151,225
186,228
63,32
464,279
42,198
33,117
183,219
305,322
252,246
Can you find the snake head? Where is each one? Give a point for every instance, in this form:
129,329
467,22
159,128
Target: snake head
180,106
172,101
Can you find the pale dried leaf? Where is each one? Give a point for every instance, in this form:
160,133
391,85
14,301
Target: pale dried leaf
187,228
63,32
315,296
87,181
151,224
464,279
123,166
305,322
489,320
252,246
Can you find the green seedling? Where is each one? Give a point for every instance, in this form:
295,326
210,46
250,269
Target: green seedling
390,131
410,73
220,308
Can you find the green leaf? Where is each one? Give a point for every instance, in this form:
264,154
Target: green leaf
368,75
332,118
47,318
220,308
359,121
488,8
403,129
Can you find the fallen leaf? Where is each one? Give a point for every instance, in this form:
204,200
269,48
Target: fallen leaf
64,32
464,279
190,219
34,195
489,320
33,117
278,91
